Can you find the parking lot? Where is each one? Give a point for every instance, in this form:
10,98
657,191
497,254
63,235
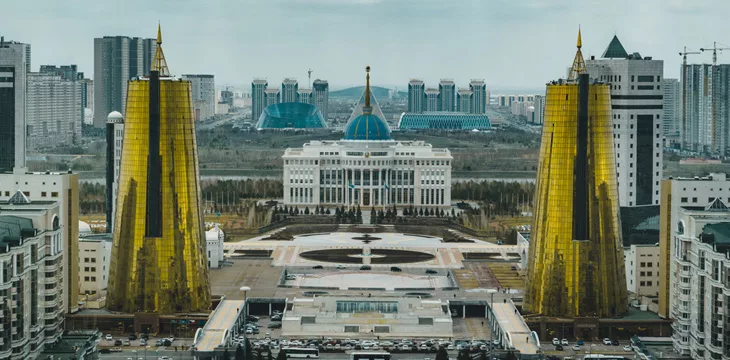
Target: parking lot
596,347
127,345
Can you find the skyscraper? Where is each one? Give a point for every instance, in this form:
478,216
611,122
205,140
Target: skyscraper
447,95
114,140
203,86
14,65
271,96
706,95
463,100
258,98
636,103
480,97
116,60
321,96
576,266
304,96
289,90
416,96
158,259
54,110
432,99
671,108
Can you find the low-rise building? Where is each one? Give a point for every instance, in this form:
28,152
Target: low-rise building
214,239
701,281
31,276
642,269
385,317
94,256
443,121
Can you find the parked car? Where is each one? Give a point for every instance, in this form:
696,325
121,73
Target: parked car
132,337
606,341
628,348
116,349
576,347
365,267
564,342
340,266
126,343
430,271
142,342
395,268
317,267
614,342
291,277
556,341
105,351
252,318
579,342
145,336
276,317
108,337
559,347
275,325
118,342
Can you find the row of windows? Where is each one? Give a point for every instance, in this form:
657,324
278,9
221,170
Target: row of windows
43,193
370,162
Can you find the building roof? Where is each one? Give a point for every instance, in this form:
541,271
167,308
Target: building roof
615,50
291,115
11,227
115,117
19,198
444,120
367,127
358,110
718,235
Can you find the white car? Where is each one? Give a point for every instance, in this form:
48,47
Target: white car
284,342
340,266
386,343
295,343
450,347
576,347
556,341
564,342
628,348
405,348
606,341
108,337
348,347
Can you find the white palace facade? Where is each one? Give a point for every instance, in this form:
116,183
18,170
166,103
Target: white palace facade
367,168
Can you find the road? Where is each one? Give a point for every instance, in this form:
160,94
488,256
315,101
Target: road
151,355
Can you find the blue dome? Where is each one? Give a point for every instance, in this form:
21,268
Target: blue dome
291,115
367,127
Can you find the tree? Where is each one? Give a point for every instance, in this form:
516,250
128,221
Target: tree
281,355
327,211
306,211
461,356
373,216
441,354
239,353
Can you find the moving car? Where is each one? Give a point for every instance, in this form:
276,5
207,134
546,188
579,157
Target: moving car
430,271
628,348
317,267
275,325
365,267
395,268
291,277
576,347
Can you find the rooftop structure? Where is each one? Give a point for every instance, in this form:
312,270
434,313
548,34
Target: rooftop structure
367,126
444,121
291,115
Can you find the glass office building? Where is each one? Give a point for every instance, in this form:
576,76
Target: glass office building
576,264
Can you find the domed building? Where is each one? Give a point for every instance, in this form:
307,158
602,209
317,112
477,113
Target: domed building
367,168
291,115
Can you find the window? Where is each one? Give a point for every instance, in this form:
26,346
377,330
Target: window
43,194
648,273
642,264
648,264
54,194
694,199
642,273
642,283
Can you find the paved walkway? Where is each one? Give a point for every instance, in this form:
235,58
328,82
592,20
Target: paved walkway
222,319
511,322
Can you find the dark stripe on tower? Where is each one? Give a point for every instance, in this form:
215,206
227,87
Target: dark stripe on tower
153,225
580,180
109,175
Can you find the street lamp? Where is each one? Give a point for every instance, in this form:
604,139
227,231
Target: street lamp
491,292
245,289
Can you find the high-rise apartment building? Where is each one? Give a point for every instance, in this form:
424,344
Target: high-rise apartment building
576,263
271,96
54,111
636,106
671,109
114,140
321,96
705,126
116,60
304,96
416,96
538,113
432,99
31,259
158,252
480,96
700,281
14,65
463,100
289,90
203,86
258,98
447,95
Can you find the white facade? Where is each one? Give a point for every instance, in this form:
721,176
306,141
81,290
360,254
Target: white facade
214,239
118,128
463,100
289,90
271,97
305,96
367,173
636,106
94,257
63,188
14,65
700,281
537,115
31,278
203,91
53,111
395,317
416,96
432,99
642,269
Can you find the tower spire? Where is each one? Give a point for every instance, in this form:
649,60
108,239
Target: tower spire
579,65
367,109
159,63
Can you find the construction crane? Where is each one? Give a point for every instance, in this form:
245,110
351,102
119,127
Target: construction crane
309,73
715,49
684,54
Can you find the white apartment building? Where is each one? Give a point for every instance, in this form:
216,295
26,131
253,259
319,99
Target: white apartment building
367,173
203,92
642,269
61,188
53,111
636,106
214,239
701,281
32,298
94,257
114,141
672,109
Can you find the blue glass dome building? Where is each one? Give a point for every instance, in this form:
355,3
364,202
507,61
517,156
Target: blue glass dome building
292,115
367,126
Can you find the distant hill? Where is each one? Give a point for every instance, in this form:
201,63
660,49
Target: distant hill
356,92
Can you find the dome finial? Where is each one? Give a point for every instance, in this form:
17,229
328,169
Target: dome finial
580,42
579,65
159,34
159,63
367,86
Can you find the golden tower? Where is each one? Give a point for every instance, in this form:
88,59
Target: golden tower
576,265
158,253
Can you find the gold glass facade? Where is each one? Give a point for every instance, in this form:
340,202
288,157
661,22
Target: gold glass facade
165,274
584,276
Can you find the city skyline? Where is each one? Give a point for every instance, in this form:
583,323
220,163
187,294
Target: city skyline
500,52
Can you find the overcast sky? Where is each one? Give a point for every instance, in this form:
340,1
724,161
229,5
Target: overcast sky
512,44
